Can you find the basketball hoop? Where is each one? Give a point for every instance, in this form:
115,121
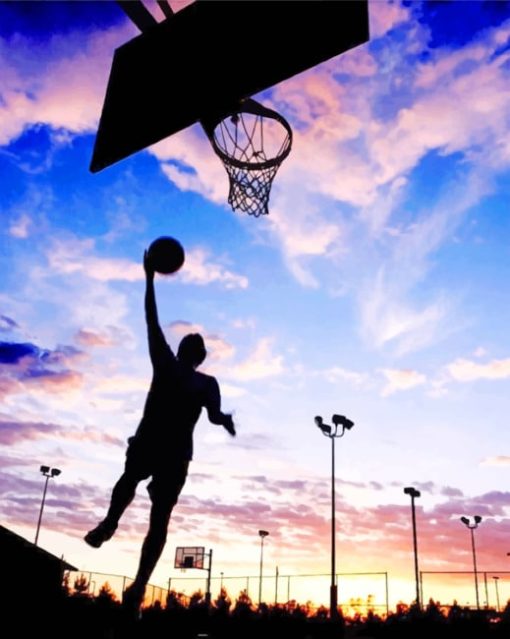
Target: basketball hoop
252,143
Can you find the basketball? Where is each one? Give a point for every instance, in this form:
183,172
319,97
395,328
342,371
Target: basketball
166,255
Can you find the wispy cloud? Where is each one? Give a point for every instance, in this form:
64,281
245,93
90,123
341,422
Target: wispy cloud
386,15
7,324
497,460
60,82
20,227
14,432
92,338
401,380
337,374
218,348
465,370
25,365
261,363
72,256
200,269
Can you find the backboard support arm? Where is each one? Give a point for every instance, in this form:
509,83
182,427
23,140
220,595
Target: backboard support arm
166,8
138,14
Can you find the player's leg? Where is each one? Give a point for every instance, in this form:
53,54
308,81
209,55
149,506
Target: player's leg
122,495
164,492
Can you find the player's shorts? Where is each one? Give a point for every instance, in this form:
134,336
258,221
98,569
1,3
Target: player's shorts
168,471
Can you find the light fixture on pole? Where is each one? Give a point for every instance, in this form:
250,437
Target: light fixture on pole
473,525
333,432
48,473
413,493
262,534
496,579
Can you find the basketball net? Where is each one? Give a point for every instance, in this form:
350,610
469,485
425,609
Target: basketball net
252,143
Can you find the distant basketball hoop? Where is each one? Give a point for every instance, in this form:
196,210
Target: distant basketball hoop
252,143
189,557
192,557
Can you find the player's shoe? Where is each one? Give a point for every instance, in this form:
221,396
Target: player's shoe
100,534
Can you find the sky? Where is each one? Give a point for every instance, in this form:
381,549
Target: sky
376,288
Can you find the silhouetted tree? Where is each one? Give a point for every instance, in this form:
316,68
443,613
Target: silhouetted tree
322,612
243,605
81,586
66,589
197,598
106,592
222,603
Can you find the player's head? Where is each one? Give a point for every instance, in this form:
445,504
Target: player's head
192,350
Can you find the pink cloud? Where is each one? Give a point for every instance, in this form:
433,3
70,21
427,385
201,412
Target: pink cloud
14,432
93,338
497,460
464,370
217,347
399,380
70,508
386,14
261,363
26,366
60,83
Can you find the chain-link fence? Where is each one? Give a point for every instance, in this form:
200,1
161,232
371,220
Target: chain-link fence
358,592
460,587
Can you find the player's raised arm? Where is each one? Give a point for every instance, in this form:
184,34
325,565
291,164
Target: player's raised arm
158,346
213,407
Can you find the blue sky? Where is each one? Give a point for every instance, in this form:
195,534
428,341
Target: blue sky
377,287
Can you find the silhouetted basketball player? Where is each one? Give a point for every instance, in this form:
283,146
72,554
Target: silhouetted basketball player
162,446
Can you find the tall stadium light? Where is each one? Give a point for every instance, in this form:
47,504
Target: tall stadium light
333,432
49,473
472,525
262,534
413,493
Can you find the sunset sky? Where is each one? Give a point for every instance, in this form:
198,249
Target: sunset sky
377,288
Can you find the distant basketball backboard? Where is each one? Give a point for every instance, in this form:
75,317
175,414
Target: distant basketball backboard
199,63
189,557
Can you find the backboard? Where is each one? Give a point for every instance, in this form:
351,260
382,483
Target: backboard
189,557
199,63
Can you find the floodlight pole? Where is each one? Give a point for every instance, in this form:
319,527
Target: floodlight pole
332,433
413,493
262,534
473,525
48,473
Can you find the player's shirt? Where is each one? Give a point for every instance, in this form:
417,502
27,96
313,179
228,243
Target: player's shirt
174,402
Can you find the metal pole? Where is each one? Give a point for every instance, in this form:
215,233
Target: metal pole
486,590
288,589
276,588
208,584
474,565
415,544
261,565
42,508
497,593
387,593
221,581
333,594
